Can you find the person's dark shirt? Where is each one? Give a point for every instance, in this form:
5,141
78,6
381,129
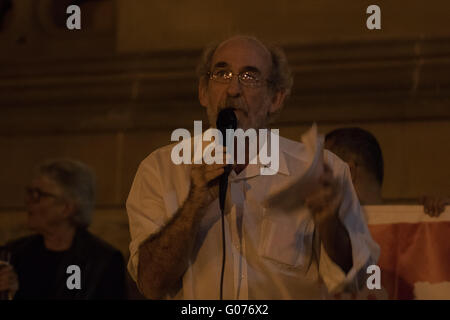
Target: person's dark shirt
43,273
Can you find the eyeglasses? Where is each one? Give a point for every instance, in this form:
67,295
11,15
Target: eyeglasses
250,79
35,194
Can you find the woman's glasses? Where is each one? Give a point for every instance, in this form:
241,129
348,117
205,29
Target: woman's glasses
35,194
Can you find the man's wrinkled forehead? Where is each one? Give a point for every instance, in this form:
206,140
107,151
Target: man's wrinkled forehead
247,52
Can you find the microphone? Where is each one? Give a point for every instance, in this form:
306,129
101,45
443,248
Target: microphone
225,120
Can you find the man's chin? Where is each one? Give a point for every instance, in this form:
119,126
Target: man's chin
241,117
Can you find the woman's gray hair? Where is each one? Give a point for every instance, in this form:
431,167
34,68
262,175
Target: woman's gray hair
280,78
77,181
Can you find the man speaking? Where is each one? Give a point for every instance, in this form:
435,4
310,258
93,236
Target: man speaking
313,251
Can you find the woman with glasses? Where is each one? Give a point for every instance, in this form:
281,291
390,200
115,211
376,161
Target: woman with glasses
63,260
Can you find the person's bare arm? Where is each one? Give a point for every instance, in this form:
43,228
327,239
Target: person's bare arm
164,256
336,242
434,205
324,205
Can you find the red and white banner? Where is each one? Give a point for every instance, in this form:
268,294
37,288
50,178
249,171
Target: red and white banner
415,251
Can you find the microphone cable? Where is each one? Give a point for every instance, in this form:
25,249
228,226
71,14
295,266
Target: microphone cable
223,184
225,120
223,253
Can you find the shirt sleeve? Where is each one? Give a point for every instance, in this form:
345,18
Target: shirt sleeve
145,208
364,249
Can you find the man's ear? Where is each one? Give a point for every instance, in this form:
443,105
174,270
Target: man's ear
277,101
203,92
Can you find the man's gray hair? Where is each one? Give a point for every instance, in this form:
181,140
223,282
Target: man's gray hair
77,181
280,78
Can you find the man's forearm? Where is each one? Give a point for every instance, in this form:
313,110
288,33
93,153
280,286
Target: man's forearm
164,257
336,242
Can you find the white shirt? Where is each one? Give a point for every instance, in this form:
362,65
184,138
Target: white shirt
270,254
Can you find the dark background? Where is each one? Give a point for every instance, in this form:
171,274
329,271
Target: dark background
112,92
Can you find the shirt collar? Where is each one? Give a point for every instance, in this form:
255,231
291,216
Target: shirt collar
253,170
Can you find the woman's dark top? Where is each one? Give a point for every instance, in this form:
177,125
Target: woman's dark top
43,273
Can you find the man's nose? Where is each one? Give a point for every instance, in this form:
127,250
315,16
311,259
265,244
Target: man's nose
234,87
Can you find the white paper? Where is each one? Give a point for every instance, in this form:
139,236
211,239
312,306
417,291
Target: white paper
293,195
